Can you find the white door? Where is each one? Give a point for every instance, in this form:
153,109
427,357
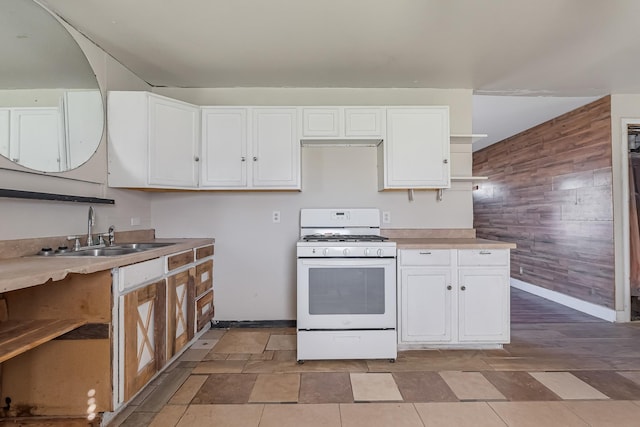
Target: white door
275,154
425,295
417,148
483,305
173,143
224,147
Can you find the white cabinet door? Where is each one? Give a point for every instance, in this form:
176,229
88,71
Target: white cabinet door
321,122
425,297
37,139
224,147
483,304
275,147
363,122
83,126
416,151
173,143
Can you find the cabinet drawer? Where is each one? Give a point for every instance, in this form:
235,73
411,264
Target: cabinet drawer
135,274
483,257
425,257
204,277
204,310
204,251
179,260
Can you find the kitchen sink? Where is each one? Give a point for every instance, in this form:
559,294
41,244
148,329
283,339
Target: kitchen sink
110,251
121,249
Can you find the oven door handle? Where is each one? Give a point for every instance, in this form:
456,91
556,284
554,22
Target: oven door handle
341,262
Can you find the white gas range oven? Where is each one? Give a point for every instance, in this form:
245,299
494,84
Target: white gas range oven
346,286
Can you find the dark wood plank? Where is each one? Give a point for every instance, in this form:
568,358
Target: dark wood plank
18,336
550,192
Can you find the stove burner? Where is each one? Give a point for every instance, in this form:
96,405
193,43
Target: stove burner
343,238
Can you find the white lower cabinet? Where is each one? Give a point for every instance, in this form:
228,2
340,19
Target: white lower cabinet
453,298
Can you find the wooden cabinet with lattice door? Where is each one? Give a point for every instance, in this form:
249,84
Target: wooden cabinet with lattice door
144,335
180,310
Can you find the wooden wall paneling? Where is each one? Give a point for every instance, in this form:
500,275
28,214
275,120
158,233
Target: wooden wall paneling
550,192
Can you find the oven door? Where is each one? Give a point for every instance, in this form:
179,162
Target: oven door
346,293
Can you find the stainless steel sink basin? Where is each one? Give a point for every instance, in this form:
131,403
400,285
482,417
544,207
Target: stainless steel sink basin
110,251
121,249
143,246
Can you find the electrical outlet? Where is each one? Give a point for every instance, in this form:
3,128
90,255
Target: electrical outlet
275,216
521,270
386,217
135,220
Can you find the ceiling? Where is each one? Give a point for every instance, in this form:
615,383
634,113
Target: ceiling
552,55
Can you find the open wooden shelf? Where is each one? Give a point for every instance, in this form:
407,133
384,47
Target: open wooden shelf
18,336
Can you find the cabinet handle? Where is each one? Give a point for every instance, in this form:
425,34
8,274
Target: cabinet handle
463,288
449,288
445,161
255,159
425,253
197,159
485,252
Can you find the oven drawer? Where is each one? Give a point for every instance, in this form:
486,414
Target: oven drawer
425,257
483,257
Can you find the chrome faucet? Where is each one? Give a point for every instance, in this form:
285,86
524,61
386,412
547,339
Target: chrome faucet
91,221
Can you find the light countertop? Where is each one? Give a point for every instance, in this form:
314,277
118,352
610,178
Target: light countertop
451,243
18,273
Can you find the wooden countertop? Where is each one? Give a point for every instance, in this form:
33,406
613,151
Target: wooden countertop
451,243
23,272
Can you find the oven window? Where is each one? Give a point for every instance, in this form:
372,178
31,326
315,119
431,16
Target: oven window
346,290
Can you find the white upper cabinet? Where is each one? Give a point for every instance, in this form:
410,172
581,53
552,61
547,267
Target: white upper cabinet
321,122
224,147
173,143
250,148
363,122
416,151
275,154
153,141
37,138
335,123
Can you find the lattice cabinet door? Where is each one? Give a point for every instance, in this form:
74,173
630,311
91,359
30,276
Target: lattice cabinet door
144,335
180,316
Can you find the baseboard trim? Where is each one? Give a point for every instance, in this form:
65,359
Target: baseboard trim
595,310
227,324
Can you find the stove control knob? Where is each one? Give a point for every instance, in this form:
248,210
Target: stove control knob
367,252
325,251
346,251
380,252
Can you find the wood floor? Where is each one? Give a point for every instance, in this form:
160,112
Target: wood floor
562,368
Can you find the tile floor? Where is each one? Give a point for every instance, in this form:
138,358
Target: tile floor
562,368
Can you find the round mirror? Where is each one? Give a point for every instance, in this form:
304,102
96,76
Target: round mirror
51,112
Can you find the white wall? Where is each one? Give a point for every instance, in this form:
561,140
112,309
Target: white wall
254,270
29,218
